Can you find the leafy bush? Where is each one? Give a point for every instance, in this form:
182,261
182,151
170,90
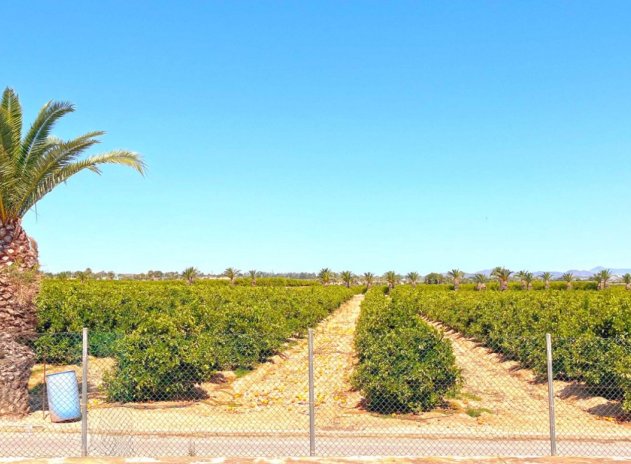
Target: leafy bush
590,330
169,336
60,348
405,365
156,362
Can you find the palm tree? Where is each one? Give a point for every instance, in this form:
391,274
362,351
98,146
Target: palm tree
413,278
82,276
456,275
369,278
480,281
603,277
502,274
347,277
627,281
64,275
253,275
325,275
232,273
546,277
568,277
528,277
434,278
31,165
391,278
190,274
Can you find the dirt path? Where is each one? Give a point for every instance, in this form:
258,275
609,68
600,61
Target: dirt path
507,396
284,381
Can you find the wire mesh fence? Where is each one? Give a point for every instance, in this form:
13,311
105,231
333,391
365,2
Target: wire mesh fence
120,402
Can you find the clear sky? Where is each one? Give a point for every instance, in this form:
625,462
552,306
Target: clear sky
366,135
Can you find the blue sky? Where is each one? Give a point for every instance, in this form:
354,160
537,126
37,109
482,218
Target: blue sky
364,135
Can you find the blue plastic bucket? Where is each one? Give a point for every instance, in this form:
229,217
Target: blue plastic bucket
63,397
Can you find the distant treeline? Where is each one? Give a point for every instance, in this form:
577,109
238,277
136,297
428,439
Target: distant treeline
88,274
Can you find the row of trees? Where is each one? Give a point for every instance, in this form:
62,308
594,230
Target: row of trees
327,277
503,275
189,273
457,277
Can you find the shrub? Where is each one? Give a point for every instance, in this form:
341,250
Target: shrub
157,362
167,337
404,365
590,330
58,348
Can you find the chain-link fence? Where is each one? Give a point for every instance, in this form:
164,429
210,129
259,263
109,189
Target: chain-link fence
103,395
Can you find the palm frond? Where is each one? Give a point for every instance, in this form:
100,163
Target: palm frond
36,138
32,167
62,173
10,122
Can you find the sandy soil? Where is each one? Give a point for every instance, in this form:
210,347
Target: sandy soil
507,395
499,400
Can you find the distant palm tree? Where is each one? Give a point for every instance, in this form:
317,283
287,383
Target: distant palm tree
348,278
369,278
568,277
603,277
413,278
325,275
546,277
627,281
521,276
528,277
434,278
391,279
456,275
82,276
480,281
190,274
253,275
503,275
232,274
65,275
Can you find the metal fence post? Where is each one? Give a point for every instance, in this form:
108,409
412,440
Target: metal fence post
84,395
311,397
553,438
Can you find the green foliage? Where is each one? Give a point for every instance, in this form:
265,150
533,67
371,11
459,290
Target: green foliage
326,276
274,281
157,362
590,330
413,277
169,336
62,348
369,279
405,365
33,162
391,278
190,274
434,278
347,278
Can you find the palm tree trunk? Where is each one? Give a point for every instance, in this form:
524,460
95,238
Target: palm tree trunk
19,285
